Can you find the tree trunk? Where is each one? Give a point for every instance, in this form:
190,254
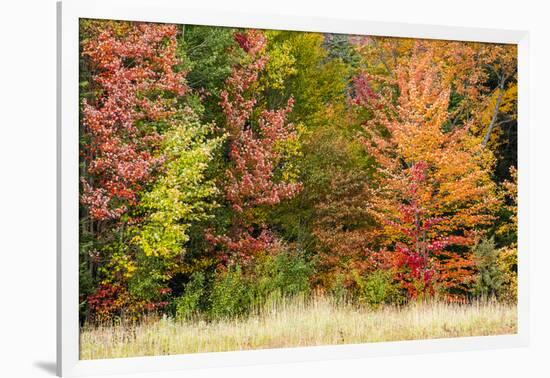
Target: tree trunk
495,113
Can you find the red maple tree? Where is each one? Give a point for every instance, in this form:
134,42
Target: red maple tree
254,154
134,83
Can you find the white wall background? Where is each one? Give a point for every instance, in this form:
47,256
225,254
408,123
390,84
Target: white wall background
27,187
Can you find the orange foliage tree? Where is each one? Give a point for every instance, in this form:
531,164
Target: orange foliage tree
432,192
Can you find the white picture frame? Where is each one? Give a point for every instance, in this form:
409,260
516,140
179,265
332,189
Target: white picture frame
171,11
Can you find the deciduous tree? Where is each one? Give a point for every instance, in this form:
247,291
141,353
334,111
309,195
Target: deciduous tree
145,157
134,85
258,152
455,198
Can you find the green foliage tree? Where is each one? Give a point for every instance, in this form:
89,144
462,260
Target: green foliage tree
318,81
339,46
301,68
489,280
181,196
207,54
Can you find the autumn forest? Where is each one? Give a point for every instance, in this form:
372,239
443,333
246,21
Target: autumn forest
245,189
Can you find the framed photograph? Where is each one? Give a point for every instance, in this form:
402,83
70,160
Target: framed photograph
238,188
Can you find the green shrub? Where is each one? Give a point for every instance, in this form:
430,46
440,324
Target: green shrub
489,279
230,296
284,275
377,288
188,304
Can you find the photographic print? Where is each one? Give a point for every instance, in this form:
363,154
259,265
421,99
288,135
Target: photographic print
252,189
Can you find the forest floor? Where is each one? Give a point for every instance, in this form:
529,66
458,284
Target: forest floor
297,324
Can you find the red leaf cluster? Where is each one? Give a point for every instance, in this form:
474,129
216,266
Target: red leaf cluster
253,153
134,83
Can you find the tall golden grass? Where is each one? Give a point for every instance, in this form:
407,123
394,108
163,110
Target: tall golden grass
298,323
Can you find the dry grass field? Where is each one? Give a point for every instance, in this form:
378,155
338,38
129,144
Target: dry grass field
295,324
